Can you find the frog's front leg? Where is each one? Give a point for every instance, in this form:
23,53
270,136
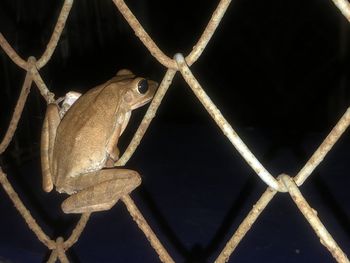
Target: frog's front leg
112,145
98,191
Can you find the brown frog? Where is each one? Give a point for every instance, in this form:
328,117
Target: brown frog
78,152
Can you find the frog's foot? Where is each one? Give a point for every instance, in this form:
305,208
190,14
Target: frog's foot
68,101
102,195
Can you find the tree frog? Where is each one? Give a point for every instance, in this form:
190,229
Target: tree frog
78,150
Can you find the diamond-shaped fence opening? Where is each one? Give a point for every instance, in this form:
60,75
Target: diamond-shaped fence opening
181,64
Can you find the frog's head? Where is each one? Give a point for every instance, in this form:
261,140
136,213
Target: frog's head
136,91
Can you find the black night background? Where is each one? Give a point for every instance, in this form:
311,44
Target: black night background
277,70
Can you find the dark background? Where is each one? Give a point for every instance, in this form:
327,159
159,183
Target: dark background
277,70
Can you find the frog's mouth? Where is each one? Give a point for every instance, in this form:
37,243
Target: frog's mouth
143,102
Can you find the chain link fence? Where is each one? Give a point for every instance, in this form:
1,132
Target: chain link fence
282,184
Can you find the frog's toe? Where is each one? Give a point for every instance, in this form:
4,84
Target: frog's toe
100,197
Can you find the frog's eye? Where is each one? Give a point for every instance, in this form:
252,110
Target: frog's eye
142,86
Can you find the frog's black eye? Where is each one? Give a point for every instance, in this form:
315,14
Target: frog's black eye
142,86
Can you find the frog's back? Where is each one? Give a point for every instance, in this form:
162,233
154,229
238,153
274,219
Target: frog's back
84,132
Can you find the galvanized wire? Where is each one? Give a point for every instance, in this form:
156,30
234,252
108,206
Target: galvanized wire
182,64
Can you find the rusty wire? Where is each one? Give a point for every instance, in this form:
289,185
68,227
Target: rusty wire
283,183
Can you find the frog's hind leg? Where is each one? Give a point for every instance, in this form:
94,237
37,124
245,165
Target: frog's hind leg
48,136
100,190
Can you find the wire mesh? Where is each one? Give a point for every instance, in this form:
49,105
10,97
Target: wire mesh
181,64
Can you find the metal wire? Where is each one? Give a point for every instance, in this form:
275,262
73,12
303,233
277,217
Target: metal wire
283,183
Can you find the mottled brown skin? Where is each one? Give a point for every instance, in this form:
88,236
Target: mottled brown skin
78,152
